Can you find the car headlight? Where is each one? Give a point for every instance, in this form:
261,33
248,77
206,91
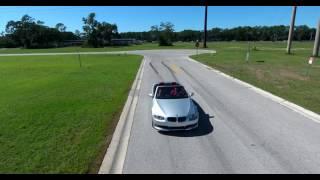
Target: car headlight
158,117
193,117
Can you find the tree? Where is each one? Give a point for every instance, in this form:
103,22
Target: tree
154,31
7,42
61,27
215,34
40,22
106,32
27,19
77,33
166,34
90,29
188,35
302,33
30,33
98,34
23,30
244,33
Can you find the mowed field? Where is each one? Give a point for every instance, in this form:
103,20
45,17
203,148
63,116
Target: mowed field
270,68
57,117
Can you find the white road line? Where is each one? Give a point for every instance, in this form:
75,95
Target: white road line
119,162
296,108
114,159
141,74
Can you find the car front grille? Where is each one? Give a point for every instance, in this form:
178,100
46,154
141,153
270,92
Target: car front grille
174,119
181,119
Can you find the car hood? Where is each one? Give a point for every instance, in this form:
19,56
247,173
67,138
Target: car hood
174,107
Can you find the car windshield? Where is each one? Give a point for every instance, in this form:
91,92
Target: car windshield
171,92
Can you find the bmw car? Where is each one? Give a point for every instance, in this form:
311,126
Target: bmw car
173,108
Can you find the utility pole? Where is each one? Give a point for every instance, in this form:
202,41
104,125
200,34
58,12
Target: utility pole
205,27
291,29
316,42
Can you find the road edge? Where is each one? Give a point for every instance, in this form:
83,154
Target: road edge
114,158
296,108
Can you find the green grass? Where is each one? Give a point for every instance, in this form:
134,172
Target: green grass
55,116
271,69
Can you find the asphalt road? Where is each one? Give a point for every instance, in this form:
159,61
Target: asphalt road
240,131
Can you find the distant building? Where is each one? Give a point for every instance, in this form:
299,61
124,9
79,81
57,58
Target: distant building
125,42
73,42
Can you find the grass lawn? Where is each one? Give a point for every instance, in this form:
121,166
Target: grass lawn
270,68
57,117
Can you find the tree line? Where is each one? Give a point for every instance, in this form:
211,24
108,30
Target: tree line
244,33
30,33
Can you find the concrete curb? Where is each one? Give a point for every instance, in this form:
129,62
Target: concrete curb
305,112
116,152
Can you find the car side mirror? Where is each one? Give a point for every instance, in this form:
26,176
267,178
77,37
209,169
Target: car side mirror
191,94
150,94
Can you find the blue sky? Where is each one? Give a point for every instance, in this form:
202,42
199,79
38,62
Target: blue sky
140,18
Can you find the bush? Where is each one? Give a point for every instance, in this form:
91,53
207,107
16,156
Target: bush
87,44
43,46
255,48
6,42
164,40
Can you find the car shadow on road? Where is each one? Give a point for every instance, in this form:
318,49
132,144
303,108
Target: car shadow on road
205,127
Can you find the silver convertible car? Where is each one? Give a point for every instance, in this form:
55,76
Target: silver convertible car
173,108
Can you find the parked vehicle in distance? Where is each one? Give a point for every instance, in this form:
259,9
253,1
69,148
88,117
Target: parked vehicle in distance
172,107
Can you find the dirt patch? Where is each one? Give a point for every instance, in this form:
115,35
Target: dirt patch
278,74
292,75
259,74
